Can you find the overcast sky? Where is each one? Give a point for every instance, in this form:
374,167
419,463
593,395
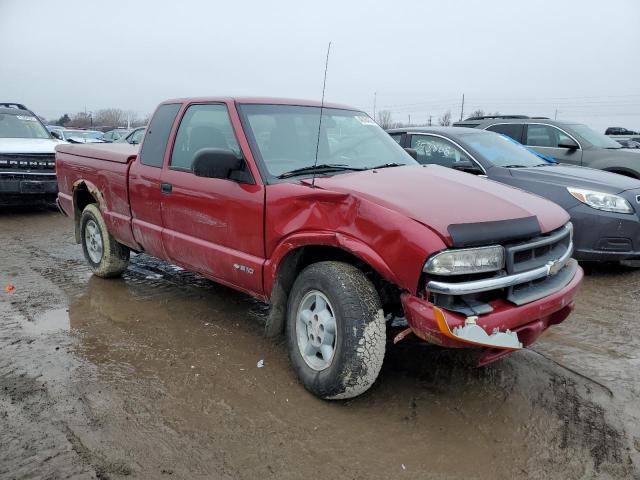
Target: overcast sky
581,57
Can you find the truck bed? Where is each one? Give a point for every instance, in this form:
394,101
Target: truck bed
110,152
103,171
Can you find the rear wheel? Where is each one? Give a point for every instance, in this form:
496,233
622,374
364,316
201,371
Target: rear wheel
106,257
335,330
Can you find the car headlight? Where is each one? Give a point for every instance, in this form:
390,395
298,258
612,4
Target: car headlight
465,261
601,200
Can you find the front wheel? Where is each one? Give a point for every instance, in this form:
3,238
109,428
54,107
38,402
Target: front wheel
335,330
106,257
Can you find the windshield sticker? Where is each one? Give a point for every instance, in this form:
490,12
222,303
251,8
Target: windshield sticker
364,120
28,119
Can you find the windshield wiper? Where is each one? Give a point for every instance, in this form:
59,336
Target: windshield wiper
323,167
548,164
515,166
387,165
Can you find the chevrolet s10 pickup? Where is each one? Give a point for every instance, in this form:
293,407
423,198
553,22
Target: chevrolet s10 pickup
317,211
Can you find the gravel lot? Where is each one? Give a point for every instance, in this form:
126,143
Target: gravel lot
155,376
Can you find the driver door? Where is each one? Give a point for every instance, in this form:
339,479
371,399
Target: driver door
212,225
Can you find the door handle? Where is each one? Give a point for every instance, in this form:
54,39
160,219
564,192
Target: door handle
166,187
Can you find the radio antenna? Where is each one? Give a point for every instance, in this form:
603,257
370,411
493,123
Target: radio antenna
324,84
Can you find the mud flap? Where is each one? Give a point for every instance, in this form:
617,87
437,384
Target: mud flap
473,334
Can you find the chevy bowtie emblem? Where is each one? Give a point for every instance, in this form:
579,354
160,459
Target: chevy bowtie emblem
553,267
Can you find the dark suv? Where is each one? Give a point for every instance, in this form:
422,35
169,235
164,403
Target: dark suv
567,142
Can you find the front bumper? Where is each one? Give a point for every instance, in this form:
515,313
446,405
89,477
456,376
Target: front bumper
28,183
604,236
528,320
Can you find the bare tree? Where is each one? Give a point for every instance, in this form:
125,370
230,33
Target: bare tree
110,117
139,122
80,120
384,119
445,120
477,113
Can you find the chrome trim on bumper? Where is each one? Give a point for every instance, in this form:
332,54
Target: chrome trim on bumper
477,286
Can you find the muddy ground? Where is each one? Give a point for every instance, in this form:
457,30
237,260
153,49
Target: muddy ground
155,376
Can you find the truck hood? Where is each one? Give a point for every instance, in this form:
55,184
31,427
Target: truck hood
579,177
28,145
439,197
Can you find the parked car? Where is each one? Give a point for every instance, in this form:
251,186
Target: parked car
628,143
567,142
115,134
27,165
333,224
78,136
619,131
134,137
604,207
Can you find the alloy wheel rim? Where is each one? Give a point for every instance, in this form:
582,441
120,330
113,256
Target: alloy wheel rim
93,241
316,330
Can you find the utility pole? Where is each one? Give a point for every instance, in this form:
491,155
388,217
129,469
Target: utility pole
375,94
462,108
409,120
429,120
555,117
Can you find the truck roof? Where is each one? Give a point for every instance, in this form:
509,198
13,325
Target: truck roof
262,100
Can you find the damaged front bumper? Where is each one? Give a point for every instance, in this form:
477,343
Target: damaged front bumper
507,328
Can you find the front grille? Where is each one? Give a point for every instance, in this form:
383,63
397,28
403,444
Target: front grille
27,162
535,253
540,253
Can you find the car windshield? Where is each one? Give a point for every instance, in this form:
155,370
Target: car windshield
501,151
22,125
82,134
286,138
594,138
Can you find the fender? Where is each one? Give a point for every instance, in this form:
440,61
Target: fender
324,238
93,190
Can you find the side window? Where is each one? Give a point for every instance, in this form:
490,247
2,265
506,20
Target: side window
437,151
202,126
152,152
513,130
544,136
397,137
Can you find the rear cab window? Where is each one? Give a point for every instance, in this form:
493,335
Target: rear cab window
155,143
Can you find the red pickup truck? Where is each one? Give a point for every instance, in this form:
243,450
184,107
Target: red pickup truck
317,211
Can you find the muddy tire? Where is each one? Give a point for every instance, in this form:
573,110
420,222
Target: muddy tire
106,257
335,330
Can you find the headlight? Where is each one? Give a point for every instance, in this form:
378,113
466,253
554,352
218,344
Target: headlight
601,200
468,260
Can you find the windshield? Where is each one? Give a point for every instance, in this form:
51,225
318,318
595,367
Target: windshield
501,151
594,138
81,134
21,126
287,137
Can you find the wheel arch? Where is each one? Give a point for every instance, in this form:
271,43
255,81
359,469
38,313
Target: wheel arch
295,253
84,193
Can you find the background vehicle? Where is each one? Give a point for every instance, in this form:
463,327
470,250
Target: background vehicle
604,207
114,135
27,173
619,131
79,136
628,143
333,224
567,142
134,137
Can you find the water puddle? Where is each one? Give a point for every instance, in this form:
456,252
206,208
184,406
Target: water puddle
48,322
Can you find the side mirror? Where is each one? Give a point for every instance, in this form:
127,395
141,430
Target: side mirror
56,134
467,166
216,163
568,144
413,152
